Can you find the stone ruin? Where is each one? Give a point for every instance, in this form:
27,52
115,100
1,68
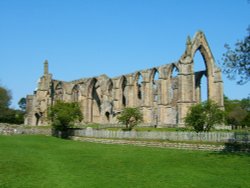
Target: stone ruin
163,100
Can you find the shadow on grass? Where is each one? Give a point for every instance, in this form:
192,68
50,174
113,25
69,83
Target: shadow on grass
243,147
230,154
240,149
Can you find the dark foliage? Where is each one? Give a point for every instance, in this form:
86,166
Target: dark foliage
8,115
236,62
130,117
203,116
22,104
237,112
63,115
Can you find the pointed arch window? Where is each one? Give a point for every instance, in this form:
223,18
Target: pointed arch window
139,81
123,86
75,93
59,91
174,83
201,81
155,82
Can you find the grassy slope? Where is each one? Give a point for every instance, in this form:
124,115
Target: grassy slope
39,161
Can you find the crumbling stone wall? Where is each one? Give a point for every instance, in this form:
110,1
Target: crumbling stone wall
163,98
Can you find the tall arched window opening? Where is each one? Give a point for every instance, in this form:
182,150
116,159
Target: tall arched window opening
75,93
123,92
201,82
139,86
173,84
155,82
110,88
58,92
95,105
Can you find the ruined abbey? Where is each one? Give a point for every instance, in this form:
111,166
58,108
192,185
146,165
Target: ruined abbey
162,96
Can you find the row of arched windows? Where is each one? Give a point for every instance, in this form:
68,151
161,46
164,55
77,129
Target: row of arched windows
96,94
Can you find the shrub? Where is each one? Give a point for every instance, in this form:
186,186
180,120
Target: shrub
203,116
130,117
63,115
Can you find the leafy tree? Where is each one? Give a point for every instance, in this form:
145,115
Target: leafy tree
246,121
236,116
5,98
22,104
8,115
19,116
203,116
13,116
237,111
63,115
130,117
245,103
236,62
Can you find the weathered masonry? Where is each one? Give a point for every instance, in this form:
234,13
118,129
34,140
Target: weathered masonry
162,96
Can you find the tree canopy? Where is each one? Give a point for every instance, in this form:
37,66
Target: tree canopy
8,115
237,112
5,97
130,117
63,115
22,104
236,62
203,116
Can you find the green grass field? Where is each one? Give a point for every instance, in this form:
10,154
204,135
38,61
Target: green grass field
40,161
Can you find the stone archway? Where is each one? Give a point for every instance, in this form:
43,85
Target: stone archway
187,80
198,81
38,117
138,89
75,93
122,92
107,115
58,94
93,109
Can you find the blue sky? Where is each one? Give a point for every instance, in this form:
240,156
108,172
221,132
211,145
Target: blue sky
86,38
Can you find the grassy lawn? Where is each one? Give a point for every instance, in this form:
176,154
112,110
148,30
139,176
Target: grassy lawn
40,161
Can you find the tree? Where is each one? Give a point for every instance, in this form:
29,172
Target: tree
246,121
12,116
130,117
5,98
236,116
236,62
22,104
8,115
237,112
245,103
63,115
203,116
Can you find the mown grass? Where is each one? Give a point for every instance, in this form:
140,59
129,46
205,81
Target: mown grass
40,161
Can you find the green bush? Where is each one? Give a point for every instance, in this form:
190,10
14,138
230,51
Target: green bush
203,116
237,112
12,116
63,115
130,117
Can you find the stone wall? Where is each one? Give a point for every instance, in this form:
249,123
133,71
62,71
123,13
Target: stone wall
147,139
10,129
156,135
